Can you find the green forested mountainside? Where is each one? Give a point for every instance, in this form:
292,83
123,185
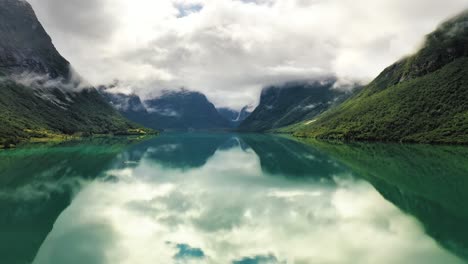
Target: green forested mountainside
422,98
24,115
39,94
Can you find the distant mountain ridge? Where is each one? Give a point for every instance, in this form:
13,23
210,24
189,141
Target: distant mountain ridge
40,95
283,105
422,98
177,110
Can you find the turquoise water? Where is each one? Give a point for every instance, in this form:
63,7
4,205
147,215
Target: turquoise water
225,198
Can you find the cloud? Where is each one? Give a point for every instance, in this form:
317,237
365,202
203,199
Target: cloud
46,87
164,111
74,83
230,49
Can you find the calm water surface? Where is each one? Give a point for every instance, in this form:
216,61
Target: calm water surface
240,199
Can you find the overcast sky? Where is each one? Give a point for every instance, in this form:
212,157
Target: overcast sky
230,49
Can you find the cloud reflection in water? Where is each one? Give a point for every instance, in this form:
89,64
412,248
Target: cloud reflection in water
230,210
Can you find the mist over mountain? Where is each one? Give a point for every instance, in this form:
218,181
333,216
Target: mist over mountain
283,105
179,110
40,95
235,117
422,98
233,131
230,49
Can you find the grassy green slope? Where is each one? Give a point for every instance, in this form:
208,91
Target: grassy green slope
38,111
24,115
431,109
422,98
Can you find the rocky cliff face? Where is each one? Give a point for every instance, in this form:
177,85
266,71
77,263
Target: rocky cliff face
25,45
124,103
291,103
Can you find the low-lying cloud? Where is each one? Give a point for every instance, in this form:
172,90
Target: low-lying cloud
230,49
74,83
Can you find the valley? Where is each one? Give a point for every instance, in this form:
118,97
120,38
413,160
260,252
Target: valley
233,131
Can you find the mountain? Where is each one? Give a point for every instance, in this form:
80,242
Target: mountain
25,45
179,110
235,117
40,95
292,102
422,98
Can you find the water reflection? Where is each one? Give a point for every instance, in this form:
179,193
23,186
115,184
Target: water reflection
178,151
198,198
282,156
428,182
201,198
37,184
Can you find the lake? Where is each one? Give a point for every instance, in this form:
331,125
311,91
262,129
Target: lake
227,198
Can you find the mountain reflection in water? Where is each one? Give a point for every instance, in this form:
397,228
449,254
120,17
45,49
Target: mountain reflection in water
222,198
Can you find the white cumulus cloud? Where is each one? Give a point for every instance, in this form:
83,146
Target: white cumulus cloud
230,49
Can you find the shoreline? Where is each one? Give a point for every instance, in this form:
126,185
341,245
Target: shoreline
61,138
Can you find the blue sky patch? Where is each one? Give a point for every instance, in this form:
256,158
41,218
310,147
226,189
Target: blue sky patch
265,259
187,252
186,10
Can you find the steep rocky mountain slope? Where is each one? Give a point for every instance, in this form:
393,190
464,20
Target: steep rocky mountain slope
25,45
293,102
40,95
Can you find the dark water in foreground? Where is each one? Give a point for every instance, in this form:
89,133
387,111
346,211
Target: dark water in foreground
241,199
